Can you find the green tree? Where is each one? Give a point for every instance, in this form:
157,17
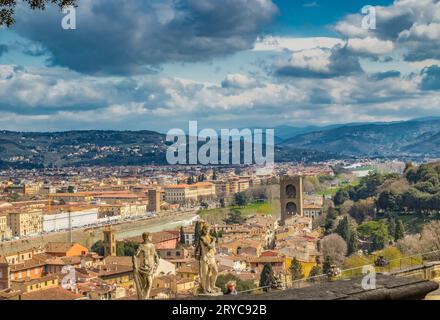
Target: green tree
234,217
126,248
326,266
296,269
98,247
352,243
343,229
315,271
70,189
197,233
375,232
340,197
182,235
387,201
241,199
391,225
7,8
190,180
120,249
222,203
329,220
267,278
400,231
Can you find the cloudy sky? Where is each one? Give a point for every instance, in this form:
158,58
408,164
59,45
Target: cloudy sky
155,64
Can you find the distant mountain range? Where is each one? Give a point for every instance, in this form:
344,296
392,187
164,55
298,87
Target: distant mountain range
415,138
407,139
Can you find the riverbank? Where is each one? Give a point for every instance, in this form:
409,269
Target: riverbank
88,236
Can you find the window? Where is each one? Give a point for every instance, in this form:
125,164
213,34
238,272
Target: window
168,253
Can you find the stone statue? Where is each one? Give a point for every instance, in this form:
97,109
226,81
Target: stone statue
145,263
208,266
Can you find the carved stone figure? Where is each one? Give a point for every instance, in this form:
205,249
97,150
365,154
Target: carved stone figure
208,266
145,263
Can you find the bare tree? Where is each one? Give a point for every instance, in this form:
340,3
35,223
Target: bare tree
427,241
335,247
7,8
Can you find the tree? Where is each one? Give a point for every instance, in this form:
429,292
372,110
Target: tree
241,285
340,197
343,229
296,269
391,225
204,205
375,232
326,266
387,201
182,235
197,232
222,203
315,271
400,231
334,247
70,189
267,278
234,217
330,220
241,199
363,209
7,8
352,244
98,247
126,248
190,180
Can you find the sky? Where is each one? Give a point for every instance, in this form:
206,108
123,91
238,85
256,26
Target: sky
157,64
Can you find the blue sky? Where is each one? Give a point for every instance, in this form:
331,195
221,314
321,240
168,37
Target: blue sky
233,63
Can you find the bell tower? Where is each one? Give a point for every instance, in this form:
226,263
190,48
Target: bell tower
109,243
291,197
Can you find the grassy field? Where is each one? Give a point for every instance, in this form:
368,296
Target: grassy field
218,214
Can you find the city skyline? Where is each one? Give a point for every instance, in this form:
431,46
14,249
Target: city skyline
156,65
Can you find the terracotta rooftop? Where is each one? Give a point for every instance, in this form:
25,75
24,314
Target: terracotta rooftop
56,293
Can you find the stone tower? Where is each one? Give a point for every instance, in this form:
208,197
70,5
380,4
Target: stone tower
291,197
109,243
154,200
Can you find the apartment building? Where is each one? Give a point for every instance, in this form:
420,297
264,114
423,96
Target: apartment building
26,221
189,193
5,231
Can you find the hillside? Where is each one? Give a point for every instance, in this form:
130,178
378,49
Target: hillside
411,139
399,139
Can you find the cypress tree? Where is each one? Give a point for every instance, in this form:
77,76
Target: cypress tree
296,269
182,235
400,230
352,244
326,266
343,229
267,277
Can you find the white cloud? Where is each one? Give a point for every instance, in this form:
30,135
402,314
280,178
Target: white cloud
278,44
370,45
238,81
